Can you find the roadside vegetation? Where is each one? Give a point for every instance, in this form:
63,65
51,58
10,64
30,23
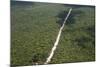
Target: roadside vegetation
34,27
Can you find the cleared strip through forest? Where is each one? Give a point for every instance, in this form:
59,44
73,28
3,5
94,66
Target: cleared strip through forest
57,39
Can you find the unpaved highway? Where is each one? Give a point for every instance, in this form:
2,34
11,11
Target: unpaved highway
57,39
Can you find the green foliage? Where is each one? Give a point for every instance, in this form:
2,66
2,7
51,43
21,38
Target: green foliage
34,30
77,42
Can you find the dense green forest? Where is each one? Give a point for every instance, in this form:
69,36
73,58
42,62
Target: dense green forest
34,28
